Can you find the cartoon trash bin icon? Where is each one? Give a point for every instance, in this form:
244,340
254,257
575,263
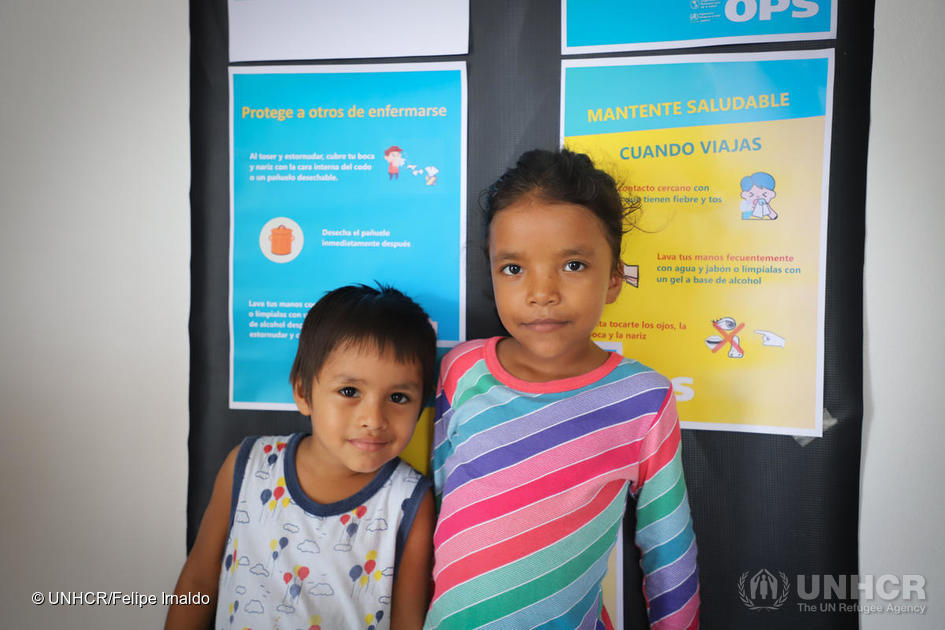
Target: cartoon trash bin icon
281,239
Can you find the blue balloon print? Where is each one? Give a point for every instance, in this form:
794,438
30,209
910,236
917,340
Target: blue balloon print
265,496
355,572
236,605
272,459
370,627
283,542
294,590
229,561
275,554
379,615
352,529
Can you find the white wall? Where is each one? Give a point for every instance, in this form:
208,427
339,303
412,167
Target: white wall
94,301
903,466
94,176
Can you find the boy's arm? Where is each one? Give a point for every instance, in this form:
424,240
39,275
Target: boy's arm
201,572
664,531
411,595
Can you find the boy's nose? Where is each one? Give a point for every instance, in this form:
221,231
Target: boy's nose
372,415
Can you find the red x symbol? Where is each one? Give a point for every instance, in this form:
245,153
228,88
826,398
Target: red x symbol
727,337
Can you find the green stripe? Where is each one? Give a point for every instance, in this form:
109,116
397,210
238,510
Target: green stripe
658,508
663,480
539,588
474,382
507,576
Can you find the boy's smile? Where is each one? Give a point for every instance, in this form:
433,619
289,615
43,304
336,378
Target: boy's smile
552,274
364,408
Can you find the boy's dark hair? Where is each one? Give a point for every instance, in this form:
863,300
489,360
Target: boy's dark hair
358,314
561,176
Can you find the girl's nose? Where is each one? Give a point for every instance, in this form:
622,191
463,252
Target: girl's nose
543,289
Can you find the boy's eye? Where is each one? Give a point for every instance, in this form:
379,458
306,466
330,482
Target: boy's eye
399,398
574,265
511,270
348,392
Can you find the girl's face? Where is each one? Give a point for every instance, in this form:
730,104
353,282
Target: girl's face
552,274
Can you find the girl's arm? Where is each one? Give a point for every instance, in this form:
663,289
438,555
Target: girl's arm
201,572
664,530
411,596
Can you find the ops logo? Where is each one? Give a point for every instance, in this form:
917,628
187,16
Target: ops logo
745,10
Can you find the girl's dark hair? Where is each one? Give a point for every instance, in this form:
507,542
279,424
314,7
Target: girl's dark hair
561,177
379,318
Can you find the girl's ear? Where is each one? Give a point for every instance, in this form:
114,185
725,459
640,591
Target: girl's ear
305,406
615,284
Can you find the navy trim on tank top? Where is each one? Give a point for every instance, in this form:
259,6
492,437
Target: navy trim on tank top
239,470
339,507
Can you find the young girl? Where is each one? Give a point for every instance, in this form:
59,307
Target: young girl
539,436
331,529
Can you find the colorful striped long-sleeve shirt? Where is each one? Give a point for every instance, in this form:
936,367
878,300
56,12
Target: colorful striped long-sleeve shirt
532,481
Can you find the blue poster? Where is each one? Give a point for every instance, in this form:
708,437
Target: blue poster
594,26
340,175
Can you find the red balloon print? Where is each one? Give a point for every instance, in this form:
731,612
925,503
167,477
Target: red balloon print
369,566
278,492
287,577
303,573
360,511
267,448
345,518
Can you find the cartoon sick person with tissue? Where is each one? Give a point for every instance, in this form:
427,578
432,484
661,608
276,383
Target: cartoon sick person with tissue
395,159
757,193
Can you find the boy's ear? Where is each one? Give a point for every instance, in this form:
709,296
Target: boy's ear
614,286
305,407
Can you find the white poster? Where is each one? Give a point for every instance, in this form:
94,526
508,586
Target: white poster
272,30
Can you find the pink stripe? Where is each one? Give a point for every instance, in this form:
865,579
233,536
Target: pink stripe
496,531
561,456
536,490
457,362
525,544
653,450
686,617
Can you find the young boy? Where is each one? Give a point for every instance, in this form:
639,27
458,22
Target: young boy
328,529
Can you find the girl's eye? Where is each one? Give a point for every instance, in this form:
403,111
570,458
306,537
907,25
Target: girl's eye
574,265
348,392
399,398
511,270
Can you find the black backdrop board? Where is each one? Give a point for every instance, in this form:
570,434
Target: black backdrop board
758,501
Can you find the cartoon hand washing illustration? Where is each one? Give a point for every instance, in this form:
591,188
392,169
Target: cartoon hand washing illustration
757,193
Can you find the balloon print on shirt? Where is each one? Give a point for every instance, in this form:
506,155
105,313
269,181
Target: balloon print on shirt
351,520
273,497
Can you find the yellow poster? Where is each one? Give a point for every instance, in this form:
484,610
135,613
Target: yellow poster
727,157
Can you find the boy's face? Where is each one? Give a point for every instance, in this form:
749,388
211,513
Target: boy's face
364,408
